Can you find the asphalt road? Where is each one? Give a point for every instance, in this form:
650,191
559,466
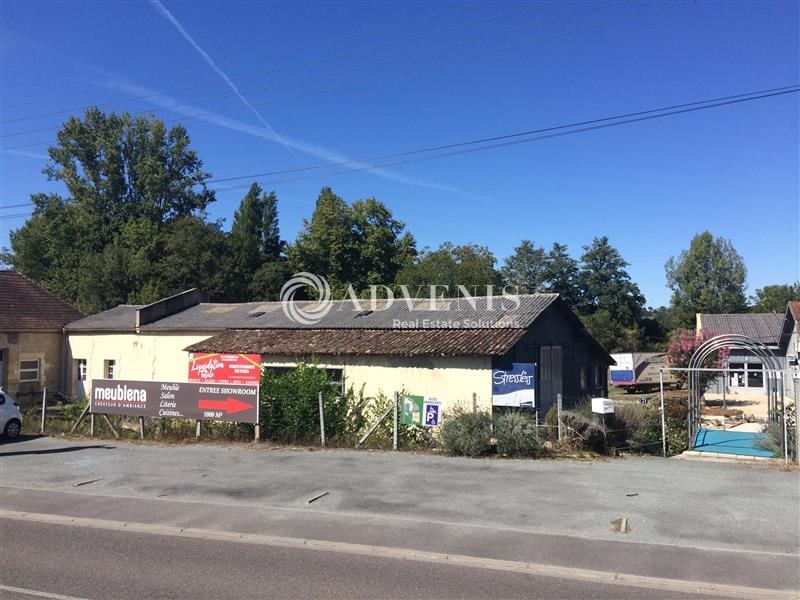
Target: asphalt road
115,519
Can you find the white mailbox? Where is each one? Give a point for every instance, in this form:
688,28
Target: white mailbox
602,405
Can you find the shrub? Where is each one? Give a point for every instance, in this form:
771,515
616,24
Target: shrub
466,434
289,403
517,435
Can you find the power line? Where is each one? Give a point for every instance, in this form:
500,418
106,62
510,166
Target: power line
512,139
266,55
409,71
541,134
787,89
287,68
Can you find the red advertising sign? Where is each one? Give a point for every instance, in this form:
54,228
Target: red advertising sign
242,369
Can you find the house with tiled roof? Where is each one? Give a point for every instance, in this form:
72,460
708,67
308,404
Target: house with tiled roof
32,342
447,348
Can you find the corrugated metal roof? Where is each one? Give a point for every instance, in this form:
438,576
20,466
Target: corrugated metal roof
487,313
26,306
119,318
763,327
382,342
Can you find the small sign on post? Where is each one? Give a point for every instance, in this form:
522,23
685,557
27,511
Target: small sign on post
604,406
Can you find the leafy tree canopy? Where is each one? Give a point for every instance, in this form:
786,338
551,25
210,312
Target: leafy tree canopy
360,244
774,298
708,277
470,265
129,179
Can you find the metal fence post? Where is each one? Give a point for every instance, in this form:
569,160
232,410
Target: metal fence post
661,408
44,408
91,425
321,421
559,409
198,429
396,403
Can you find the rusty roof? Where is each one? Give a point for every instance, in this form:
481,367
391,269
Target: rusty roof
27,306
385,342
763,327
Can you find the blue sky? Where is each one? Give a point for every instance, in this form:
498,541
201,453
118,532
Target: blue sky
295,83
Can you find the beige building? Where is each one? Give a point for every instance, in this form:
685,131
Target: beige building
32,342
448,350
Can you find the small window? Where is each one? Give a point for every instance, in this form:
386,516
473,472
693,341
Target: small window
597,376
80,369
109,369
584,378
30,370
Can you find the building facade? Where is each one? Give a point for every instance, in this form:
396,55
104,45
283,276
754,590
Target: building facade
32,342
446,348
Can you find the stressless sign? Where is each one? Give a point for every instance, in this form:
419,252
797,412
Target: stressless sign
200,401
515,386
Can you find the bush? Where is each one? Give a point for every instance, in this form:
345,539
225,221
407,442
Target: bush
466,434
290,405
517,435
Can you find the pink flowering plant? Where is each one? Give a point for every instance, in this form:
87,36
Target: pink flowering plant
681,347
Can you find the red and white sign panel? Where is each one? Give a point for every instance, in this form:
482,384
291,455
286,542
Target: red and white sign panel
242,369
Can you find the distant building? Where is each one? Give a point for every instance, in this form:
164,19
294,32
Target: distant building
32,343
447,350
745,376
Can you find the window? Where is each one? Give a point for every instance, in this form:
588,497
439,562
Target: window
584,379
30,370
109,368
80,369
755,375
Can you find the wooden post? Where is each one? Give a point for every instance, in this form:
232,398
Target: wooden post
321,420
141,428
110,426
474,403
44,408
197,430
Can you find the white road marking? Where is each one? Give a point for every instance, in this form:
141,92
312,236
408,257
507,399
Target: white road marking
39,593
536,569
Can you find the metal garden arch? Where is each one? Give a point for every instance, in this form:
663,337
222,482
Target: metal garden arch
771,367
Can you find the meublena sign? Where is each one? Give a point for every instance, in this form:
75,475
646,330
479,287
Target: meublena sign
175,400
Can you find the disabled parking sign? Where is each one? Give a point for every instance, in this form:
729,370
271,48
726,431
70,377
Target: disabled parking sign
421,411
433,412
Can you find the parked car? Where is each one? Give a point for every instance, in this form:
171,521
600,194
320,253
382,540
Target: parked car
10,417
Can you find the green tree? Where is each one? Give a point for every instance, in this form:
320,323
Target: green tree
526,268
470,265
258,268
128,178
708,278
774,298
609,301
561,274
358,245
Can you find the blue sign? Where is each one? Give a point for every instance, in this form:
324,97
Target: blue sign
515,386
621,376
431,415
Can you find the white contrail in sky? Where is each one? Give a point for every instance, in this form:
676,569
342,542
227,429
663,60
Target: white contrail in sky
162,10
119,82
